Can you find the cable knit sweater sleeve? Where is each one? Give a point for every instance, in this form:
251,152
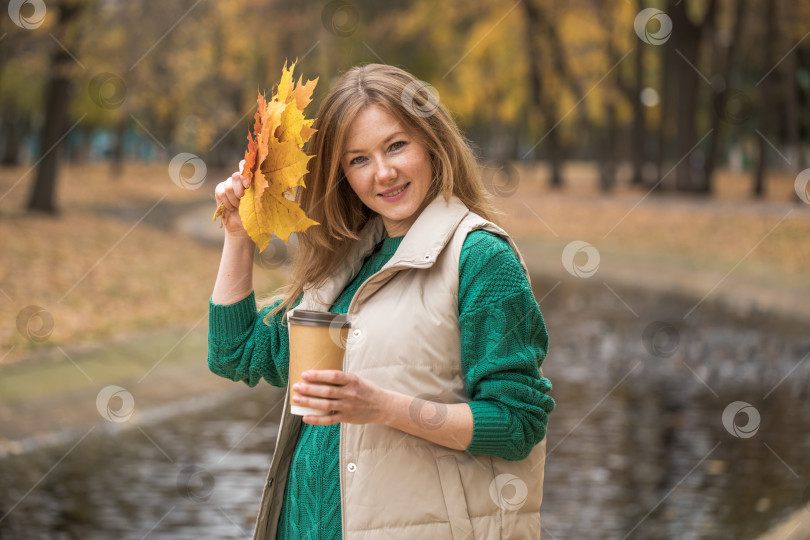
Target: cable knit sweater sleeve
241,347
503,344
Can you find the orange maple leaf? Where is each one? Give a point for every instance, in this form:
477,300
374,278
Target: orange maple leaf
276,163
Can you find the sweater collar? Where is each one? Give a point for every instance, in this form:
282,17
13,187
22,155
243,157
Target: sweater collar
419,248
390,245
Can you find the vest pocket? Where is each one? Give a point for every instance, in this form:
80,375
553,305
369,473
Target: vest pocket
454,500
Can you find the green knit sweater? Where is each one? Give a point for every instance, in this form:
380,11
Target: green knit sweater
503,343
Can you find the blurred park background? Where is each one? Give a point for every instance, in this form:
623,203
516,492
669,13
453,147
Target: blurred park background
652,159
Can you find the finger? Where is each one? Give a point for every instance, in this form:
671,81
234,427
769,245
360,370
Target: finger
239,179
326,420
315,403
317,390
239,185
233,200
329,376
221,196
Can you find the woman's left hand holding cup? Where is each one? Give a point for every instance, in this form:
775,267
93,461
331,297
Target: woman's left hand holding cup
352,399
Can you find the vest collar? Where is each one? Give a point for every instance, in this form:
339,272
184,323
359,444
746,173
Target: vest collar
419,249
429,234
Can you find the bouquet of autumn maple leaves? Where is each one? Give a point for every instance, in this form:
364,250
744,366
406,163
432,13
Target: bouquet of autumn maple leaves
276,163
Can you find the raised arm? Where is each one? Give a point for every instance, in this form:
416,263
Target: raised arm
235,277
241,346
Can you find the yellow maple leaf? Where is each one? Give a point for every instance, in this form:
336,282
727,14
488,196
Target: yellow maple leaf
283,170
281,130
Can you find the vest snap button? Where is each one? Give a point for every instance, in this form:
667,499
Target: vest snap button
356,333
351,467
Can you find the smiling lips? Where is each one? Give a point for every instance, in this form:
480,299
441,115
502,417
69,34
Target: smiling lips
395,191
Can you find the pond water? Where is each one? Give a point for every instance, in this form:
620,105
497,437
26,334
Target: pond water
637,447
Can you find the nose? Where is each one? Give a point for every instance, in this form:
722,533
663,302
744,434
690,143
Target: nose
383,171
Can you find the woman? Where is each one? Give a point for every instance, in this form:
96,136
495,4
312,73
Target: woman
439,417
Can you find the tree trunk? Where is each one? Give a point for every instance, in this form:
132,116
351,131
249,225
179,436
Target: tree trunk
55,123
728,65
607,178
117,156
553,147
639,119
538,105
667,55
766,103
11,130
686,41
792,115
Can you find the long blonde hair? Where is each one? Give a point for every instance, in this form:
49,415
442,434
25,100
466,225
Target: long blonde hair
329,199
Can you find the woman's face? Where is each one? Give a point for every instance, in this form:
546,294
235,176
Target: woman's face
387,168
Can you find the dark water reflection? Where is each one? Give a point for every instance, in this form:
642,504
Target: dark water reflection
637,447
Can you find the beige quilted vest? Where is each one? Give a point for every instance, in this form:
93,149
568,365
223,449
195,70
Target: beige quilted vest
405,337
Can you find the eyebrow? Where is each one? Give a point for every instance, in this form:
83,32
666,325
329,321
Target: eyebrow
393,135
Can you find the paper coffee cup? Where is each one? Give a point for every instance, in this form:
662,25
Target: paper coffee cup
317,341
